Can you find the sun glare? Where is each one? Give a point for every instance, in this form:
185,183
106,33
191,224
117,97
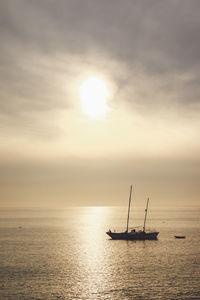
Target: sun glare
93,95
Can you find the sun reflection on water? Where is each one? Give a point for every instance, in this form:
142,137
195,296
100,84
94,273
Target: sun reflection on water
92,254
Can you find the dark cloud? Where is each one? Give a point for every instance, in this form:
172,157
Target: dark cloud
134,30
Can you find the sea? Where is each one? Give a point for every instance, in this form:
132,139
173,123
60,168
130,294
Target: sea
66,254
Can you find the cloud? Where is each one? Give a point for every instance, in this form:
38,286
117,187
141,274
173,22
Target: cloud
148,52
153,39
100,181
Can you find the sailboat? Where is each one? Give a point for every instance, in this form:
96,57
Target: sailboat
134,234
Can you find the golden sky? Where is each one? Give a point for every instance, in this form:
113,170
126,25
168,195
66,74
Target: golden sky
98,95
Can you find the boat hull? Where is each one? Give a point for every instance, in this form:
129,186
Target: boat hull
133,236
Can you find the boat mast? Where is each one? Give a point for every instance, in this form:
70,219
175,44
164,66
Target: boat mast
129,203
145,214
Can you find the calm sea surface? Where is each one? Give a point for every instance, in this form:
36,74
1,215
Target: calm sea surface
65,254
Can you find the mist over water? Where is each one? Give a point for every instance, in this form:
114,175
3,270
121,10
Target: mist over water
65,254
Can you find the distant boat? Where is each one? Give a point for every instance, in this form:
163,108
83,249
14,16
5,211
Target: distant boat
134,234
179,236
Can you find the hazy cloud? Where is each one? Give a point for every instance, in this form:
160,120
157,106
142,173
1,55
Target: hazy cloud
147,50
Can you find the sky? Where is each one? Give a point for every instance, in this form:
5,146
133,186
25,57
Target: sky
147,54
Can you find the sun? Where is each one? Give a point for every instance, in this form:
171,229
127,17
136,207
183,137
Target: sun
93,96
